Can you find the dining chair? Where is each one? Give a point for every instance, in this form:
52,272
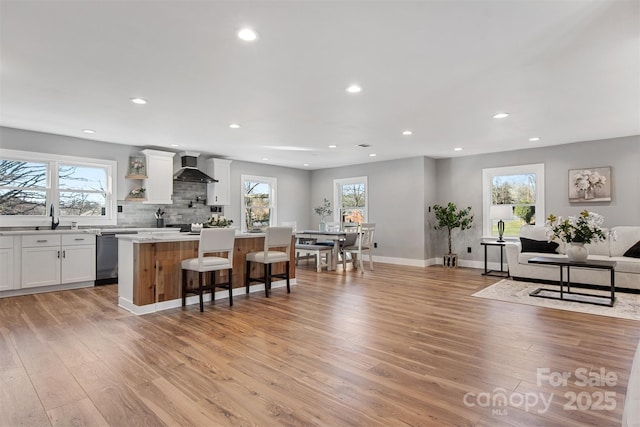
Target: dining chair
275,238
357,245
212,240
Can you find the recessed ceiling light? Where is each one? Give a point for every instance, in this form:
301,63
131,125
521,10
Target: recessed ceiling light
88,131
535,138
234,126
457,149
139,101
247,34
372,155
407,132
265,158
501,115
332,146
174,145
354,89
306,164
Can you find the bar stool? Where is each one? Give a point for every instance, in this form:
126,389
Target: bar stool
276,237
211,240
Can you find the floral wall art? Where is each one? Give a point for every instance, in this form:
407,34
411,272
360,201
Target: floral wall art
590,185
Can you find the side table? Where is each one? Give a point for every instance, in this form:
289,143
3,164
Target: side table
487,272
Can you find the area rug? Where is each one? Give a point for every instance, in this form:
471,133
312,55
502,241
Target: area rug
626,306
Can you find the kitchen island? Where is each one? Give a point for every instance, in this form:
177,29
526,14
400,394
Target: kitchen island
149,269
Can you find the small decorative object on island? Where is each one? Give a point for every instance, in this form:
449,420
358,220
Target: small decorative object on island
136,194
450,217
218,221
324,211
576,231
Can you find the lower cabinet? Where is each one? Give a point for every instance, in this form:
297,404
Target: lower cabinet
7,281
51,259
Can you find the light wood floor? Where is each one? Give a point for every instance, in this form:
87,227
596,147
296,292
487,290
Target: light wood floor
395,347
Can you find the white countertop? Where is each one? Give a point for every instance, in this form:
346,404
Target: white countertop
47,231
156,236
96,231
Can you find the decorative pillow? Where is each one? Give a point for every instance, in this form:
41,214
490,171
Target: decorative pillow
633,251
541,246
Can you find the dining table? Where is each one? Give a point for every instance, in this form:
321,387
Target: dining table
335,236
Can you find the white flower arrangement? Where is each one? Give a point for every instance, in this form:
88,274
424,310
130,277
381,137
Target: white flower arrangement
587,180
585,228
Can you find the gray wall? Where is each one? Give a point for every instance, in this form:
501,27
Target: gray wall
293,191
396,202
400,191
24,140
460,180
293,184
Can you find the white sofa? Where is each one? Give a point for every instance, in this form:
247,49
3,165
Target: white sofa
627,273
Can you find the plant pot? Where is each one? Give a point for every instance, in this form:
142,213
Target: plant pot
450,261
577,252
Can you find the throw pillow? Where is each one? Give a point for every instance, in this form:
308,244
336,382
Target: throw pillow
542,246
633,251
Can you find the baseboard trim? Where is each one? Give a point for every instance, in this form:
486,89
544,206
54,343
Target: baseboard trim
195,299
43,289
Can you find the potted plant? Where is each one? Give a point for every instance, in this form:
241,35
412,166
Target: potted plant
576,231
450,217
324,211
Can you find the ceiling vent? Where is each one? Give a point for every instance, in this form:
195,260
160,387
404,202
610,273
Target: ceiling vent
190,171
363,145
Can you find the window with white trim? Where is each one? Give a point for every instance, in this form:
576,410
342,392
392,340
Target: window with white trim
32,185
521,189
351,200
258,202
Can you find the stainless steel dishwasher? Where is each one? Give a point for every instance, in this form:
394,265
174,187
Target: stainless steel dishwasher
107,256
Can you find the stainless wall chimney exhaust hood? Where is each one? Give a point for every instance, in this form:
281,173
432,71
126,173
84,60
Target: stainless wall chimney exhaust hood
190,171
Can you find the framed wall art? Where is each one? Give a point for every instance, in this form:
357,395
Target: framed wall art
590,185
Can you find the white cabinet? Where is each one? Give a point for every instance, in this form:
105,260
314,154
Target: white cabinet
159,182
78,258
53,259
6,263
40,260
219,193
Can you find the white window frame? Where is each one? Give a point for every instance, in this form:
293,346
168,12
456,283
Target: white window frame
53,161
337,195
273,190
487,179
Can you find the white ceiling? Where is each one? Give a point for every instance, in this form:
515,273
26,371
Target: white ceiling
566,71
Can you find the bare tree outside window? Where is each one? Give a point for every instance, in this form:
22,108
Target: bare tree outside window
257,204
23,188
353,202
83,190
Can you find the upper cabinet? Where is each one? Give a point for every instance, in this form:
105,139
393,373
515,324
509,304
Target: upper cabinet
219,193
159,181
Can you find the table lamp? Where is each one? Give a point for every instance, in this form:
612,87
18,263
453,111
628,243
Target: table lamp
500,212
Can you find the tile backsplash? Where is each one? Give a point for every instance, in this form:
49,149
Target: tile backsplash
185,194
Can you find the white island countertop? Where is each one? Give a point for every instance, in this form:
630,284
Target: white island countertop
174,237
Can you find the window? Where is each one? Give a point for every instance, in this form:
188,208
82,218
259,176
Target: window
259,202
350,198
78,189
521,188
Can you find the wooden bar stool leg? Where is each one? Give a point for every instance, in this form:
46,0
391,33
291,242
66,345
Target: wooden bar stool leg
229,273
200,290
246,276
184,287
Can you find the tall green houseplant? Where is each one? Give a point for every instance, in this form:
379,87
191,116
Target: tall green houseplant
450,217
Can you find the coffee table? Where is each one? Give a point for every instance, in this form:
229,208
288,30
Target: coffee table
567,295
